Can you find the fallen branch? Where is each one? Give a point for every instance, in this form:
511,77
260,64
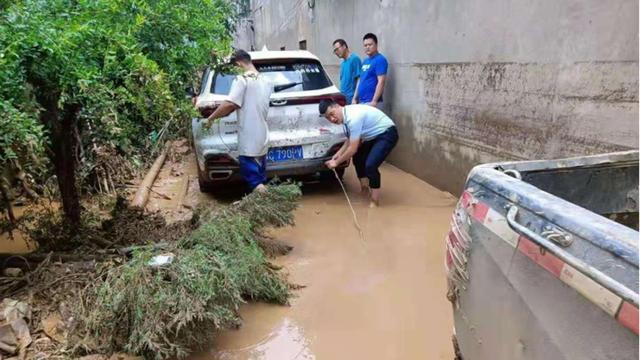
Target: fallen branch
34,258
142,195
129,249
166,197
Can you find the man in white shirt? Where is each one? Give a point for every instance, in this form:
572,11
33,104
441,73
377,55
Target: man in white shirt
371,137
249,96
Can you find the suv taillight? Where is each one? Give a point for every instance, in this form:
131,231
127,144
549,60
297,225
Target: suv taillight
220,160
340,99
208,108
206,111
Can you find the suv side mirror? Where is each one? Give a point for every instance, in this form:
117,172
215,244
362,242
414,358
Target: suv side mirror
190,92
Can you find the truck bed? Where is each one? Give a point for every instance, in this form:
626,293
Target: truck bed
537,266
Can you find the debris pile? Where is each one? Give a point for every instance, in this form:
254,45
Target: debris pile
159,300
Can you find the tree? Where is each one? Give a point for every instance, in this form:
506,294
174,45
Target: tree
106,71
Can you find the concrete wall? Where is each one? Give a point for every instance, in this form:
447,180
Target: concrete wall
479,81
244,37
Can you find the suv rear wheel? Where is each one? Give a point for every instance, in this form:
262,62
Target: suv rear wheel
205,186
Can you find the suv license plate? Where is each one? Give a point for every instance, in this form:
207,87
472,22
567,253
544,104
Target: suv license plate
285,153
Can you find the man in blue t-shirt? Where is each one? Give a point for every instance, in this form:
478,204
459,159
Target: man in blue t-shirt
349,69
372,75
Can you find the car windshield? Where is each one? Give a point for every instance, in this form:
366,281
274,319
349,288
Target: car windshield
301,75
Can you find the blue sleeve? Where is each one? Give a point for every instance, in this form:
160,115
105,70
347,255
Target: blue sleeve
381,66
356,64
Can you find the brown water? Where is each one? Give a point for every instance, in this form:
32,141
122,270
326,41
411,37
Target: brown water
381,298
378,298
17,242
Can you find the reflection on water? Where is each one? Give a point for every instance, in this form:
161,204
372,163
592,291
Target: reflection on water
286,341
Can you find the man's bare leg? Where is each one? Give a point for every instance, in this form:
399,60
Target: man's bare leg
364,186
375,198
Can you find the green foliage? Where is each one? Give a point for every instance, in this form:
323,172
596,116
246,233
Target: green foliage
20,137
118,66
165,311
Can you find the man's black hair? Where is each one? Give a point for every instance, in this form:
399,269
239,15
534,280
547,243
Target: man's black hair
370,36
240,55
341,42
326,104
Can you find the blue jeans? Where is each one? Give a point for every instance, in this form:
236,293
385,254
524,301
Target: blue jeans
254,170
372,153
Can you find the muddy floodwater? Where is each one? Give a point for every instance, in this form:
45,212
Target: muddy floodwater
381,297
377,297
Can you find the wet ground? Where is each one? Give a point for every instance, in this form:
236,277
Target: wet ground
381,297
377,297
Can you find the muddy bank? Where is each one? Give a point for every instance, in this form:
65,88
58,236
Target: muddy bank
381,298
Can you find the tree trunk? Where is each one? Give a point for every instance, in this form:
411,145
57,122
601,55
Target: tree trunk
63,144
4,199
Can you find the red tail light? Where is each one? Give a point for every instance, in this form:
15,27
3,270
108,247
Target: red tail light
340,99
220,160
206,111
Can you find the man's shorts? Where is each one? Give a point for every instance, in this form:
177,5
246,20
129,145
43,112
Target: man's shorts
254,170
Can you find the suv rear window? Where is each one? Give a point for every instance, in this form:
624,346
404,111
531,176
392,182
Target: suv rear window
309,75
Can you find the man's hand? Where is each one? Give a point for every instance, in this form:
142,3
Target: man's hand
208,122
331,164
354,100
373,103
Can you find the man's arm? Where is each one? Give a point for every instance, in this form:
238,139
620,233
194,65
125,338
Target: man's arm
226,108
234,102
355,92
341,151
379,89
356,65
351,150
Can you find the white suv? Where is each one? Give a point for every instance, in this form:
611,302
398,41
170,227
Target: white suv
300,139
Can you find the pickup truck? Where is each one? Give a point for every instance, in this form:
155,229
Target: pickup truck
542,260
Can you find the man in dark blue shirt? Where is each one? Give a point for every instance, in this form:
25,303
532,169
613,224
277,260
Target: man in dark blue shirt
372,75
349,69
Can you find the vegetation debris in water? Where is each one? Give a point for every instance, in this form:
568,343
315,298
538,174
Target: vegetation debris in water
167,311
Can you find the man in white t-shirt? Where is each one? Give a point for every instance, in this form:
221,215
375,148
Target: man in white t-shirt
249,96
371,137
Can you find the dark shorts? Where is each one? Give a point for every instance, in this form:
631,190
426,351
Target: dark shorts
253,169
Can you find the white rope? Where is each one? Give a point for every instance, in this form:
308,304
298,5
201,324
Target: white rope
355,217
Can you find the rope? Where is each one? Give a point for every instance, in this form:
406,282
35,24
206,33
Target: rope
219,121
355,217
